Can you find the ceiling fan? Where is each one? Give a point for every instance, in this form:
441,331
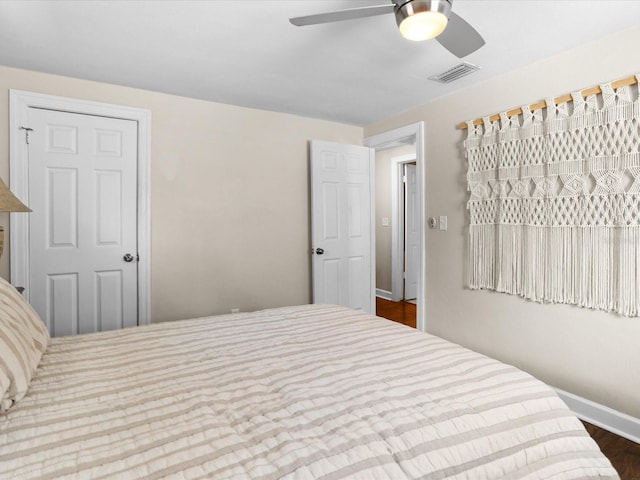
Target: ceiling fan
416,19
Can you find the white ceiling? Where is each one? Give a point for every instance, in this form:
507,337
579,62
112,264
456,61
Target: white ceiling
245,52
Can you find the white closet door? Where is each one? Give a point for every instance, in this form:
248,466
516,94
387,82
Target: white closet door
83,244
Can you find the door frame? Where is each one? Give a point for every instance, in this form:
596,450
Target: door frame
413,133
19,104
397,221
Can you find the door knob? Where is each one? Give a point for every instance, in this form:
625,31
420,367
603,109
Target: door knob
128,258
319,251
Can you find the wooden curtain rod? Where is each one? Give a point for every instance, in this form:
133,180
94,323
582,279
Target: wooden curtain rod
563,99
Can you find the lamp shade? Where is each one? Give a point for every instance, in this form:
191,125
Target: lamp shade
9,202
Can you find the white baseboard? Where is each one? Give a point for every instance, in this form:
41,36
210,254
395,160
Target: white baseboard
383,294
601,416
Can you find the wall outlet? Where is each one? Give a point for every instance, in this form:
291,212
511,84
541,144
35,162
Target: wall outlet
235,310
443,222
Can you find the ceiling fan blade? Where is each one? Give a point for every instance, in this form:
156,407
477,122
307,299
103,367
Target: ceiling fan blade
459,37
340,15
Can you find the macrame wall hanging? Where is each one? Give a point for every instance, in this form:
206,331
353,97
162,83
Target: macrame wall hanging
555,201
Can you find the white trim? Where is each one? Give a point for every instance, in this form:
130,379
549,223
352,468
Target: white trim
19,103
397,225
602,416
372,223
414,131
383,294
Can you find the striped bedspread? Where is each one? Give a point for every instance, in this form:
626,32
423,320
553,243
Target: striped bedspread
310,392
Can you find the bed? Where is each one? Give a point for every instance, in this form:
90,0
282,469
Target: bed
305,392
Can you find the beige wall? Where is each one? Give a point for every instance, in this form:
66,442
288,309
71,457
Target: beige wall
589,353
229,196
383,209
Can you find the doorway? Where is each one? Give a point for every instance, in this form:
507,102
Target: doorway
63,125
406,146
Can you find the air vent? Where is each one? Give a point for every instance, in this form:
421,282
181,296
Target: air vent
455,73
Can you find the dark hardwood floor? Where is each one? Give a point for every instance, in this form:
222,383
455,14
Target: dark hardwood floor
401,312
623,454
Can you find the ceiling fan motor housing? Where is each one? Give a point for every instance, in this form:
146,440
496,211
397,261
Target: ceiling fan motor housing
411,7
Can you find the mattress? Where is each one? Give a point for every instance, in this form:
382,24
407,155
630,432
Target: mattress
307,392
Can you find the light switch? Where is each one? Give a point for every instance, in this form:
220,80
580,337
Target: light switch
385,221
443,222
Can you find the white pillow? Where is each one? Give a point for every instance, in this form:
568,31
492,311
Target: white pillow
23,340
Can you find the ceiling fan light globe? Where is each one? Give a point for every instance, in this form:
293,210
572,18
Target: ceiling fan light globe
423,26
422,19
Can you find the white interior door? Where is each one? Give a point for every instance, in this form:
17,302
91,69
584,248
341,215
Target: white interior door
411,226
342,225
83,194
